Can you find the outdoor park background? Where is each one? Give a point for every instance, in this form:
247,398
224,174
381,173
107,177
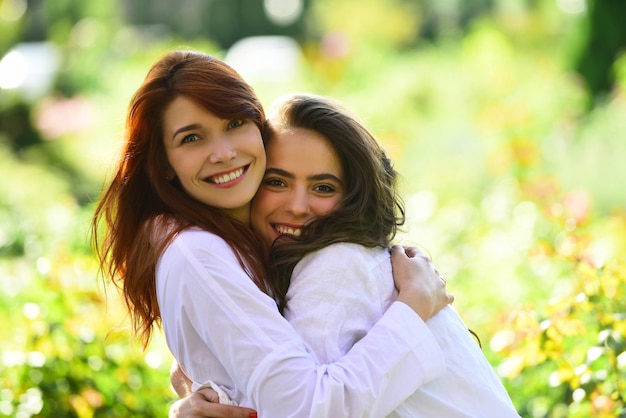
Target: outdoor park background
507,119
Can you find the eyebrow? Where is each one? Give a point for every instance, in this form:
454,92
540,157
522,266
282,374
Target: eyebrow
185,129
317,177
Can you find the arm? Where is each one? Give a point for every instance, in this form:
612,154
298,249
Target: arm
180,382
204,403
211,309
183,386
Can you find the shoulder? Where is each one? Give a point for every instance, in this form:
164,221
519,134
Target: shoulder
196,239
343,256
197,245
348,277
348,251
199,258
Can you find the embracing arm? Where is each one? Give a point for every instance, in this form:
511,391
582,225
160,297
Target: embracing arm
261,352
180,382
203,403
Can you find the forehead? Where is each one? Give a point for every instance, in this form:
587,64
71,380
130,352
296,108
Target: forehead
183,111
183,106
300,145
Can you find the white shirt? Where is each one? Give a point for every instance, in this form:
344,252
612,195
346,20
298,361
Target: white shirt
221,327
338,293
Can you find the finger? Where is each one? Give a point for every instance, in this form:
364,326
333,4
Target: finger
209,395
216,410
397,250
413,252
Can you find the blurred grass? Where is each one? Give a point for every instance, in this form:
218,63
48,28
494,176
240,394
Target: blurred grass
512,187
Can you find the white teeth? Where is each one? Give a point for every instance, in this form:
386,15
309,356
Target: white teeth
296,232
227,177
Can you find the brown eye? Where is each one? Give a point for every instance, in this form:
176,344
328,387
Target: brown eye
235,123
273,182
189,138
325,189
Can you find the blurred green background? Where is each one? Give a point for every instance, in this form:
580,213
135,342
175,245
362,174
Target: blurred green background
507,119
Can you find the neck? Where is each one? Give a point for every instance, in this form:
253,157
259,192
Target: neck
242,214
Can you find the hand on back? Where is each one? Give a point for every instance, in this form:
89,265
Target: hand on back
204,404
418,282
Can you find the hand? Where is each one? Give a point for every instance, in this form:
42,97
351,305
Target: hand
418,282
204,404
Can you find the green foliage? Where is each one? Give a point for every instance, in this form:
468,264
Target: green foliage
400,24
60,357
574,344
64,352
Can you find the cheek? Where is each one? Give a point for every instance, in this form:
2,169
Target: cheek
180,163
325,207
263,204
255,147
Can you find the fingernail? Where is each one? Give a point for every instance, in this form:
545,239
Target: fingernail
253,415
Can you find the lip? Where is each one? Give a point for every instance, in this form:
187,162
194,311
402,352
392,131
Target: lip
227,178
294,230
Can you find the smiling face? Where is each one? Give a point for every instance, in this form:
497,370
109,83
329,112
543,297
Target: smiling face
303,181
218,162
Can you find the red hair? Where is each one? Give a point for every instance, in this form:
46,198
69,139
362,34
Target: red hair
141,203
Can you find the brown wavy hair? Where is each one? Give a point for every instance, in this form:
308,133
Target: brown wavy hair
371,210
141,210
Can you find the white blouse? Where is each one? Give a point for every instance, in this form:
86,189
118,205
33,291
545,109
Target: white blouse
338,293
220,327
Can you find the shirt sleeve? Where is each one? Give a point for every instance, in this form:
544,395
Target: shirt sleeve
204,293
335,298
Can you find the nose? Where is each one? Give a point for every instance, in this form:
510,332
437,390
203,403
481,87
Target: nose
222,151
299,205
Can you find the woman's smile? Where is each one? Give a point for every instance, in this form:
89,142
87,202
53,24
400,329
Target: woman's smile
228,179
284,229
